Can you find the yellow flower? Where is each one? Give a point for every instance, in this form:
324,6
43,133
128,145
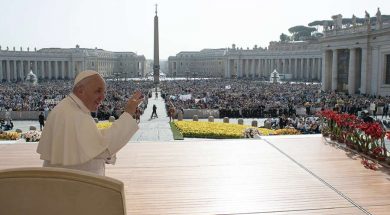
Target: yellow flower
103,125
12,135
215,129
287,131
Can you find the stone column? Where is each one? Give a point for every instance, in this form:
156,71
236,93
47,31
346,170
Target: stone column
63,69
247,68
239,68
296,68
1,71
15,71
290,68
307,71
363,77
319,69
352,71
270,66
302,71
325,69
76,71
313,70
43,69
49,70
263,72
334,70
28,68
227,68
19,69
70,69
254,67
22,72
308,68
8,70
36,68
284,66
262,67
56,70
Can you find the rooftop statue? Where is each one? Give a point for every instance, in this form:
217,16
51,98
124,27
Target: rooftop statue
378,19
367,18
353,20
337,21
326,26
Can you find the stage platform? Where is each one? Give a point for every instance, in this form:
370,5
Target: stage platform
274,175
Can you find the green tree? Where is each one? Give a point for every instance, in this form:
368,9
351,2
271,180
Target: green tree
284,37
301,32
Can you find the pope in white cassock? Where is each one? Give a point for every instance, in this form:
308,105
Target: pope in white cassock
71,139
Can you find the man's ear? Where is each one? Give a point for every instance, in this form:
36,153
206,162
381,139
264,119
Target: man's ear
78,90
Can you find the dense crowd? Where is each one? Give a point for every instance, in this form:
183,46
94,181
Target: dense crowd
255,99
45,95
233,98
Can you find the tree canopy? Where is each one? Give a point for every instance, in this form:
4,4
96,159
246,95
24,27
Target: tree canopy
301,32
284,38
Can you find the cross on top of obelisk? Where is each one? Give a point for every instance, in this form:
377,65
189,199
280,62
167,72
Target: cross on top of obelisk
156,9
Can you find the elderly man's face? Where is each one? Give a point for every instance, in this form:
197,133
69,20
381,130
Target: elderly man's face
94,92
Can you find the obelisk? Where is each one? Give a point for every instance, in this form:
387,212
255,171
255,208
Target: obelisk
156,60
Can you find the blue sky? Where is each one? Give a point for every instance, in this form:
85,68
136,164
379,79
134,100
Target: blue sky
185,25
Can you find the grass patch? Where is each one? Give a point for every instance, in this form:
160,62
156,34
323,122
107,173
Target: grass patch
177,135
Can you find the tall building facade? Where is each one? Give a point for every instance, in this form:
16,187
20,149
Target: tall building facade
295,61
352,58
357,58
60,63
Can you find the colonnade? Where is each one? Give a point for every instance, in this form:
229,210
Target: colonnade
357,70
17,69
308,69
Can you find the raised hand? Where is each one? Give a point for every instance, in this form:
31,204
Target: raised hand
133,102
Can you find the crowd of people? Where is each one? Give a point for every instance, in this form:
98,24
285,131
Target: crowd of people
46,95
255,99
278,103
232,98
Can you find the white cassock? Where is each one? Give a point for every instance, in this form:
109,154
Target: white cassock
71,139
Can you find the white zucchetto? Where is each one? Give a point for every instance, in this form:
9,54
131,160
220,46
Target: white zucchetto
84,74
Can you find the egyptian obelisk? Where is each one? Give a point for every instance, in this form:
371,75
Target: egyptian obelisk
156,60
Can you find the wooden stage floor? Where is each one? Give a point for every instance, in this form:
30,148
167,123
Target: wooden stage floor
275,175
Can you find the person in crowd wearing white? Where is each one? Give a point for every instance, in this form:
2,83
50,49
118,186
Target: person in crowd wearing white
71,139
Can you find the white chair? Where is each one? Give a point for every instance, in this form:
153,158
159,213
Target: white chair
58,191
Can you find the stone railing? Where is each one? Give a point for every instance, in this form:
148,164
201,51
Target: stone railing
345,31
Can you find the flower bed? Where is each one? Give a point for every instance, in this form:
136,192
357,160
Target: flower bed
210,129
102,125
29,136
35,136
11,135
224,130
32,136
366,138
